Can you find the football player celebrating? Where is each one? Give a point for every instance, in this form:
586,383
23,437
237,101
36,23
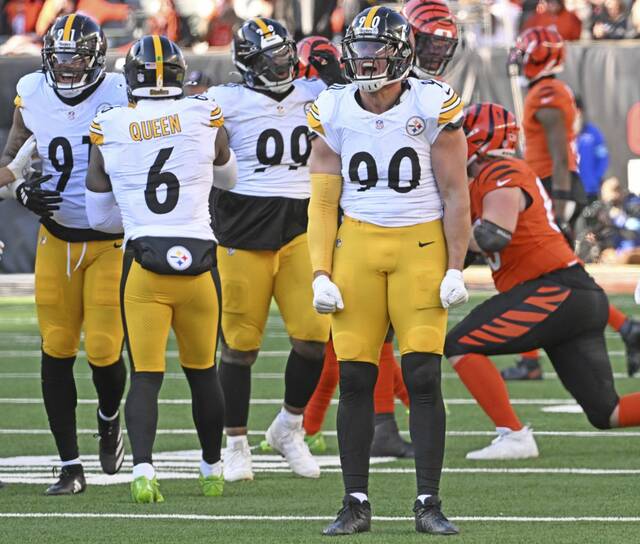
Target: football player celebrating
161,162
549,128
263,253
78,268
545,298
391,154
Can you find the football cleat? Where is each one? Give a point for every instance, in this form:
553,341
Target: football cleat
430,519
237,462
146,491
508,445
387,441
630,333
111,445
288,441
212,486
316,443
70,481
353,517
527,368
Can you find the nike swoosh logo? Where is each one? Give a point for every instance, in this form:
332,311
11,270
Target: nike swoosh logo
117,245
423,244
502,182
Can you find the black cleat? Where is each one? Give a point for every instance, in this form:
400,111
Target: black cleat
630,333
111,445
70,481
430,519
387,441
527,368
353,517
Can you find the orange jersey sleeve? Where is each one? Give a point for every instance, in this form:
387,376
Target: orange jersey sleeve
548,93
537,246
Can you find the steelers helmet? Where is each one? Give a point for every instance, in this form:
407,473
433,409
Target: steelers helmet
154,68
265,55
73,53
378,48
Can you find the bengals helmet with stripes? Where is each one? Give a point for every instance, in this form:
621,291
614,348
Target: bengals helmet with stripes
436,35
309,45
490,130
73,54
154,68
539,52
378,48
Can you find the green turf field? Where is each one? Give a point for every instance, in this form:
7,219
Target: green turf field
583,488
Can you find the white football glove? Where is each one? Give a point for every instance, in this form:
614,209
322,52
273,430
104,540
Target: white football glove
452,289
326,296
19,166
636,295
1,249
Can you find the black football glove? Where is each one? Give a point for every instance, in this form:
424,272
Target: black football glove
327,66
40,201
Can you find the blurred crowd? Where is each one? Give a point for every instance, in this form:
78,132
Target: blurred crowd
209,23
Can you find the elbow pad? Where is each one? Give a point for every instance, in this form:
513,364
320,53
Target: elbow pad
225,175
103,212
491,237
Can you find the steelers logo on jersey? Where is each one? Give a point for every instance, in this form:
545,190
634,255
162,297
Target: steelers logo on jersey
179,258
415,126
307,107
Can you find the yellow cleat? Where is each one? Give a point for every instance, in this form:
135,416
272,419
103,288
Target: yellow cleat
146,491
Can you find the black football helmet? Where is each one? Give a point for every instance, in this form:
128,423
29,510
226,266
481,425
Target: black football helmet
265,55
154,68
378,48
73,53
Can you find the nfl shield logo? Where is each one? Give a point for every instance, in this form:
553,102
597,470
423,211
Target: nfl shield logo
379,124
415,126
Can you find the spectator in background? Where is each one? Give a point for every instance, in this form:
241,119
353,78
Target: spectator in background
612,23
103,11
634,21
51,9
163,19
22,15
197,83
553,13
221,24
593,153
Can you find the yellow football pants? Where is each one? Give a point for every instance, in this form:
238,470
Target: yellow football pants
78,283
250,278
389,275
154,303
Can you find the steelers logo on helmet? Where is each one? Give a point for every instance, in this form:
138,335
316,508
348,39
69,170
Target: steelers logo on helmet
415,126
378,49
265,55
179,258
73,54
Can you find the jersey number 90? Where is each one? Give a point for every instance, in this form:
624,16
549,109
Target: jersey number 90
393,175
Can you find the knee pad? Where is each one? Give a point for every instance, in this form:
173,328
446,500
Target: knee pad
102,348
421,372
239,358
308,349
599,414
357,377
59,342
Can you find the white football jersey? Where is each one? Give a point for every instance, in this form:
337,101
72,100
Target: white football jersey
269,138
62,137
386,158
159,156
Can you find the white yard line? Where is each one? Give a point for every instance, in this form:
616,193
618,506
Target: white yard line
201,517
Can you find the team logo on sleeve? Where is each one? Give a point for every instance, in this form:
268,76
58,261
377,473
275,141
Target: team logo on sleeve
415,126
179,258
307,107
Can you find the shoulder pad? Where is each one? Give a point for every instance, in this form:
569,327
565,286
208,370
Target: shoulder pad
28,84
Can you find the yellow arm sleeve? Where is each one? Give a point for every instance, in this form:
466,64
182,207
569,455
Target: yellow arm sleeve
323,219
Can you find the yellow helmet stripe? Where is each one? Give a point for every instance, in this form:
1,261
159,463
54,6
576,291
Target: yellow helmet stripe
66,34
157,50
369,20
262,25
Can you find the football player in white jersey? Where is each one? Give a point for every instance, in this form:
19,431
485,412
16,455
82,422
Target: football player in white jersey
77,269
152,169
261,228
391,154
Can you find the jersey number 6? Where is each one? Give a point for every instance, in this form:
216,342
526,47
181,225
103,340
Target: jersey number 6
155,179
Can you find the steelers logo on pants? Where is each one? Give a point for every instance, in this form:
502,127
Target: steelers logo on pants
179,258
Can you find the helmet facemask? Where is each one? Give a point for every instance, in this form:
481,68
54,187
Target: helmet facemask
274,68
433,53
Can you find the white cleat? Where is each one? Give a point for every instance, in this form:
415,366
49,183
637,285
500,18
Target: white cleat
508,445
288,440
237,461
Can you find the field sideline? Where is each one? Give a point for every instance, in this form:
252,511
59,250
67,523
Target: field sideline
583,488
